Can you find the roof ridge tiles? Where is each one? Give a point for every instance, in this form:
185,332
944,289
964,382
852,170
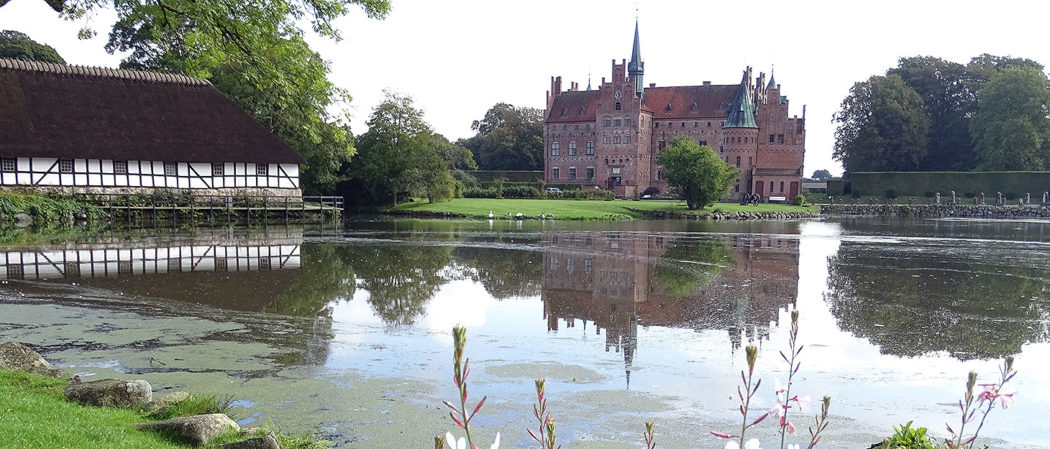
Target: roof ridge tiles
105,72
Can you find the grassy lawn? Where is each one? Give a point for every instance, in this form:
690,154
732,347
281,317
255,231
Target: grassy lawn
578,209
34,414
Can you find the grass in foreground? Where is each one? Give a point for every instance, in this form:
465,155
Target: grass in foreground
580,209
34,414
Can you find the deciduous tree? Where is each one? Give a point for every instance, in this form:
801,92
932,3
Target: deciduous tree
697,171
17,45
821,175
881,126
949,102
401,155
508,138
1011,130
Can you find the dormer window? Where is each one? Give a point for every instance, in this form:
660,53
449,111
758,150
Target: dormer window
583,110
668,108
564,112
695,107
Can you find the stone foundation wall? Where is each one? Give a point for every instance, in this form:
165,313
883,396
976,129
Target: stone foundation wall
937,211
744,215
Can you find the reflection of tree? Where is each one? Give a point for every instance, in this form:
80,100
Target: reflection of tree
913,305
688,266
326,278
503,273
400,279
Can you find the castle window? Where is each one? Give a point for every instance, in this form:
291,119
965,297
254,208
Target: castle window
627,139
770,138
659,174
780,138
617,105
656,125
607,123
770,186
661,145
590,173
708,124
626,122
590,148
696,124
616,138
737,188
556,173
738,161
8,164
617,123
749,161
572,173
555,148
703,143
781,186
170,169
65,166
608,140
120,167
572,148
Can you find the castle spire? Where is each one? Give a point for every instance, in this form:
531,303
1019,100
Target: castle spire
772,84
636,68
741,113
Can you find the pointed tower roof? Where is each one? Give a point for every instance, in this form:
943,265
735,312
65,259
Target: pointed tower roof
772,83
741,113
636,65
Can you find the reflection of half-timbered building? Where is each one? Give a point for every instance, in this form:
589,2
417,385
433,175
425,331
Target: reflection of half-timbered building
77,129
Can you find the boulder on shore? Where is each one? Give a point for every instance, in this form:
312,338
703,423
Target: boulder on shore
194,430
160,405
111,393
268,441
15,356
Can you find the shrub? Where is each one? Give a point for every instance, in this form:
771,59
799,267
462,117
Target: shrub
481,193
520,192
908,438
800,200
651,191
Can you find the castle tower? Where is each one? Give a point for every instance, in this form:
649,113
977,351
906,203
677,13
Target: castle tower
636,68
740,134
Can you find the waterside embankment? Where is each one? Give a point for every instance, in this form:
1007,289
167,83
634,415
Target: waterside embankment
938,211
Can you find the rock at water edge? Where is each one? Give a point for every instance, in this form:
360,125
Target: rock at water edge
194,430
111,393
15,356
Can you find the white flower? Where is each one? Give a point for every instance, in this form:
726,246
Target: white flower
750,444
453,443
495,444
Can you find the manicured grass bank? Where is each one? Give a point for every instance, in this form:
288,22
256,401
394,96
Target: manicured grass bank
578,209
34,414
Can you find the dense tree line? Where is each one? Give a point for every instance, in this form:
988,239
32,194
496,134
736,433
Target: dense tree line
508,138
930,114
15,45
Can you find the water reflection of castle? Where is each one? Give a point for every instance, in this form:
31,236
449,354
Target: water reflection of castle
619,281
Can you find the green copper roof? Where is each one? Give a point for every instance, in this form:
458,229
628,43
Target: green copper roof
741,113
772,84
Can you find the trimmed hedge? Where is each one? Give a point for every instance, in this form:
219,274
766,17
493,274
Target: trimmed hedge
965,184
530,192
487,176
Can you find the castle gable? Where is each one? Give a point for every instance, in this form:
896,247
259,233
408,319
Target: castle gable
574,106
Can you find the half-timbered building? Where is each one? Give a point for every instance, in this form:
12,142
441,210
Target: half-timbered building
75,129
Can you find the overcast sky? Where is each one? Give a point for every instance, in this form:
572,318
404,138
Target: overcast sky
459,57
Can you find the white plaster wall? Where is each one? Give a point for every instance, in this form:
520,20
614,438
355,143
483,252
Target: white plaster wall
100,173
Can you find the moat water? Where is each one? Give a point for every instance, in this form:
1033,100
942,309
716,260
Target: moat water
347,333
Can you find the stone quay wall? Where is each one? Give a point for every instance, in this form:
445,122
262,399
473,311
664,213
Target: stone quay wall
717,215
938,211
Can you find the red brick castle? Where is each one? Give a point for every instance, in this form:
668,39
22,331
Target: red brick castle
609,138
